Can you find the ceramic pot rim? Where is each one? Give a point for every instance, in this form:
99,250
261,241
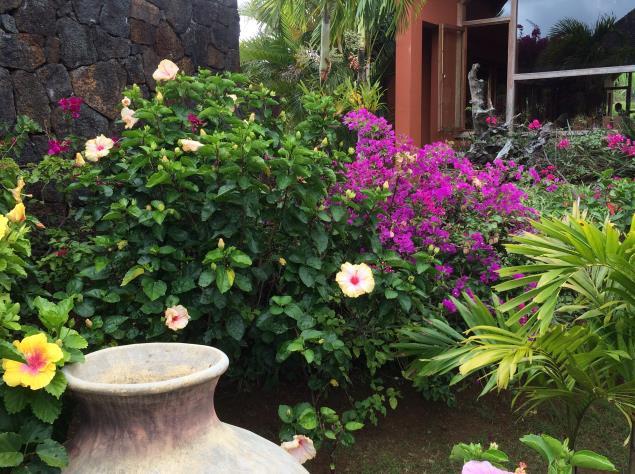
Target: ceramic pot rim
81,385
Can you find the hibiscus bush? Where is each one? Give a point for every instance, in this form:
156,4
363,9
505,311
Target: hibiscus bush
32,350
209,221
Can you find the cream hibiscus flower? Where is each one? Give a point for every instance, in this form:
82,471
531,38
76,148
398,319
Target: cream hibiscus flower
98,148
166,71
190,145
176,317
127,116
301,448
355,280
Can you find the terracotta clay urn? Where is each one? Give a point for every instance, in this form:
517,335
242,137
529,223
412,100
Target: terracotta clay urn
149,408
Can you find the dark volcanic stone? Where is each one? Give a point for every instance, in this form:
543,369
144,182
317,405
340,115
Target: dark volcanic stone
207,11
34,150
100,85
56,81
87,11
215,58
150,63
6,5
109,47
167,43
77,48
89,124
196,39
7,23
232,60
142,32
114,17
185,64
35,16
162,4
179,14
22,51
64,9
134,69
52,49
143,10
7,105
30,97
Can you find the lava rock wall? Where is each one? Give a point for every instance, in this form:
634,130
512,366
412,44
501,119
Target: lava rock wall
52,49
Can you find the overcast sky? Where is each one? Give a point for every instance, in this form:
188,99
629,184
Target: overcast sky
248,27
546,13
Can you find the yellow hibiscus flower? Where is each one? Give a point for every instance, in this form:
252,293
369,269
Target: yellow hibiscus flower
4,226
18,213
39,369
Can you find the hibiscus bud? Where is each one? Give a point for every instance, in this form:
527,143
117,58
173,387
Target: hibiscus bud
282,116
202,132
159,97
221,244
79,160
39,225
252,117
298,135
386,185
282,261
177,151
126,102
88,323
430,248
334,383
325,141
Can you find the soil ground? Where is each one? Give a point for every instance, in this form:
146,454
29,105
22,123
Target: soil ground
417,437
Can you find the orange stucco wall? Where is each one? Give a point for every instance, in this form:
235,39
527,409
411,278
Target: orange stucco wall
411,118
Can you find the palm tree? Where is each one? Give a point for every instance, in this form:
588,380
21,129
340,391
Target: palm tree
330,19
577,354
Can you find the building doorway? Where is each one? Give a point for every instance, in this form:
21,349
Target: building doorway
487,46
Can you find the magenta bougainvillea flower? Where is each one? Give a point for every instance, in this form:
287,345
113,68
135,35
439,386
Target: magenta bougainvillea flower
438,200
563,144
195,122
57,147
535,125
71,106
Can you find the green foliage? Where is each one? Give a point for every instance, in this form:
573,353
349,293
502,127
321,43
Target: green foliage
566,338
560,459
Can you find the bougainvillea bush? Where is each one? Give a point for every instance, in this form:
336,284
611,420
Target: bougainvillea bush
435,200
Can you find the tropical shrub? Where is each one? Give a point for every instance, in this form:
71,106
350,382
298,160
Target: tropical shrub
208,221
560,459
32,351
566,339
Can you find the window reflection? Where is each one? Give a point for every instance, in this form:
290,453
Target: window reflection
577,102
575,34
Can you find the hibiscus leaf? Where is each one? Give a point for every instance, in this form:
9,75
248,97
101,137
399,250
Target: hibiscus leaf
52,453
10,446
16,399
46,407
57,385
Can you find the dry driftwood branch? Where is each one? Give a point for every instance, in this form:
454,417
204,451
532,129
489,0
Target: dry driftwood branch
481,109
